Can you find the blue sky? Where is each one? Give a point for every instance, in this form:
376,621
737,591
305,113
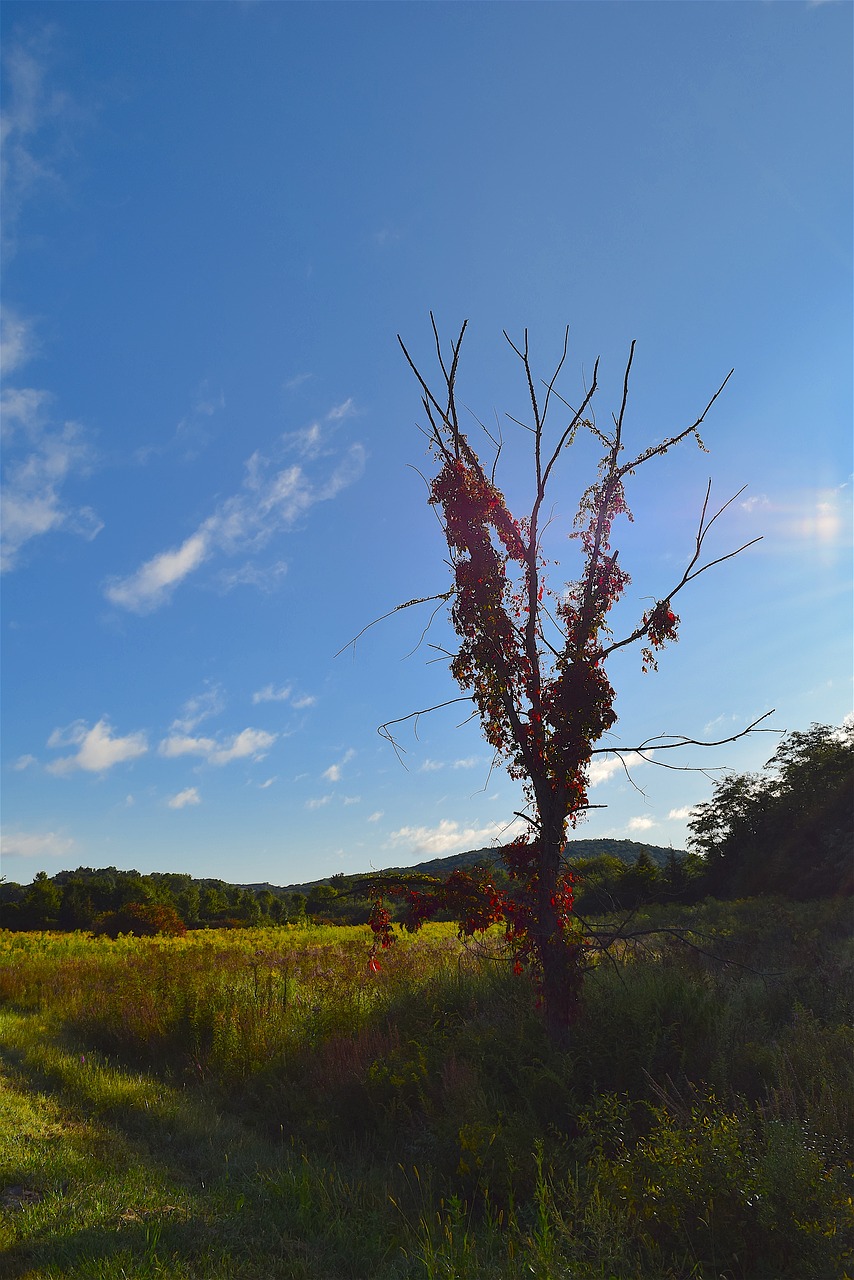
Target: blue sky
216,219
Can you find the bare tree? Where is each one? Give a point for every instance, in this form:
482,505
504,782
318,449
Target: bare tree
533,660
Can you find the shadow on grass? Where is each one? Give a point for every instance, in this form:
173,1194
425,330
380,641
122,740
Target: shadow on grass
135,1180
153,1247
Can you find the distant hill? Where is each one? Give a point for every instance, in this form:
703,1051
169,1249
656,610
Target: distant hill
625,850
95,899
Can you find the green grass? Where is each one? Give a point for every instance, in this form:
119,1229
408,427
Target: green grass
258,1104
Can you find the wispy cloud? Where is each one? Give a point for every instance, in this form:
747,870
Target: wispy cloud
318,802
193,432
720,725
98,748
333,773
201,707
818,516
341,411
188,796
431,766
284,693
33,844
250,744
36,127
24,762
266,578
270,500
39,459
756,502
17,344
376,815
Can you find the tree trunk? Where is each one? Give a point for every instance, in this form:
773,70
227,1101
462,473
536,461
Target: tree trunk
557,952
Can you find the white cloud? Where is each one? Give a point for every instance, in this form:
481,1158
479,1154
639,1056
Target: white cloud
154,582
601,769
679,815
181,744
756,502
270,694
449,837
333,773
248,744
24,762
317,802
308,442
189,796
376,815
254,743
283,694
431,766
31,844
98,749
640,824
262,786
269,501
352,799
470,762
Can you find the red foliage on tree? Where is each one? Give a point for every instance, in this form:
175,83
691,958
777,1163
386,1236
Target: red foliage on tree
143,920
533,662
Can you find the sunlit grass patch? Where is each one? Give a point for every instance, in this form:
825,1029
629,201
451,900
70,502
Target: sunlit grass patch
260,1103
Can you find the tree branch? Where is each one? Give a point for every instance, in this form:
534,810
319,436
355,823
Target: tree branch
661,743
407,604
383,729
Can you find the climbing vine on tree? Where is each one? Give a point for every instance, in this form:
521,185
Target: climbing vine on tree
532,660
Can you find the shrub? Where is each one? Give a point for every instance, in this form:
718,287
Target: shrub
143,920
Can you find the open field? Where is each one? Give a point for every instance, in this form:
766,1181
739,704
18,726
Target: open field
257,1103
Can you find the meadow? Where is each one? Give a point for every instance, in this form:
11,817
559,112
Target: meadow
259,1103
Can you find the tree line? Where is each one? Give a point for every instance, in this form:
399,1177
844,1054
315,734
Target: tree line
786,830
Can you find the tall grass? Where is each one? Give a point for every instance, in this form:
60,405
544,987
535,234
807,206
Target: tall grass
699,1124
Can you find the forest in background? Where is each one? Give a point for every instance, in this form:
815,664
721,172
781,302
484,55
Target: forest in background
785,831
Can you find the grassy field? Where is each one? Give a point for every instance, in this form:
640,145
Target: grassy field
257,1103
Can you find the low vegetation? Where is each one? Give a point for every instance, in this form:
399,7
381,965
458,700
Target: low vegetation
259,1103
274,1102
